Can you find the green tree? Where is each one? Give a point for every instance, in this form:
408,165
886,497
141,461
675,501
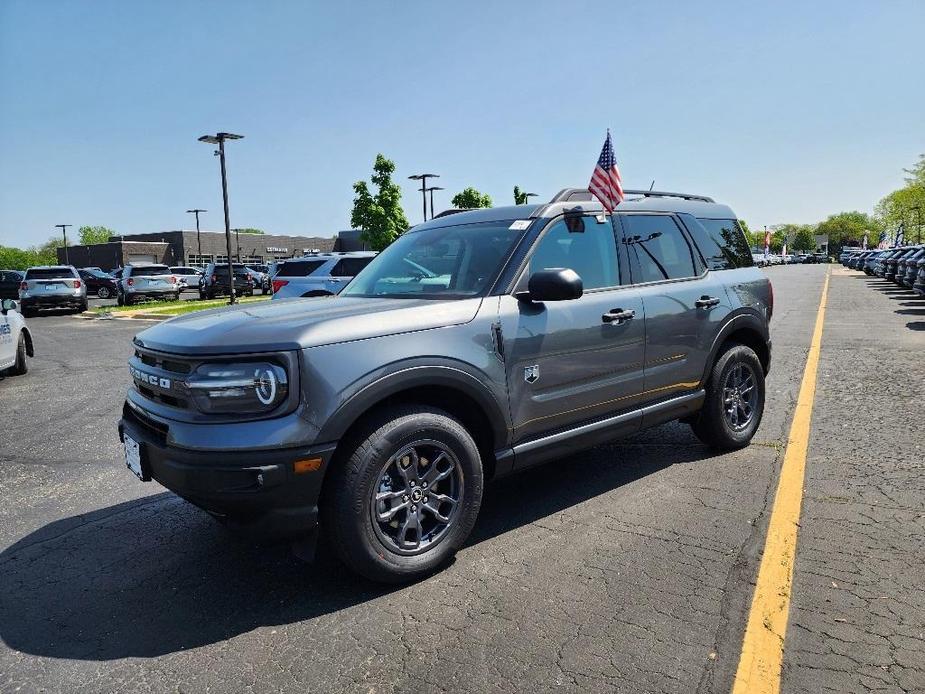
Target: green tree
15,258
92,235
470,199
380,217
804,240
520,196
251,230
905,205
848,228
744,225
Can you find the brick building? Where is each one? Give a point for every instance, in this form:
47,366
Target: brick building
182,248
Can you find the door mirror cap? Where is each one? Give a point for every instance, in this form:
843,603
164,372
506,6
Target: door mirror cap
559,284
9,305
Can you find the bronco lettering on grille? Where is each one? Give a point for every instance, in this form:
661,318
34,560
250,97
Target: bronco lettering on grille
150,379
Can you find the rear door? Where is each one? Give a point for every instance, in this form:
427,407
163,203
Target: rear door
685,304
345,270
566,363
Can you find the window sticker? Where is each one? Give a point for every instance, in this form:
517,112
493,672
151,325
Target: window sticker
519,225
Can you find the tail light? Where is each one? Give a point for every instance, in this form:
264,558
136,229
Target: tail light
130,282
248,277
770,300
76,284
279,284
24,285
173,280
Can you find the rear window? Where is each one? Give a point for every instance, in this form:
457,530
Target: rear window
49,273
150,270
299,268
723,246
183,270
349,267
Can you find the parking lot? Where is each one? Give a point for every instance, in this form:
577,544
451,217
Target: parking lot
629,567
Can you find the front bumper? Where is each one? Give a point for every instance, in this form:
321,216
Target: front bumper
256,492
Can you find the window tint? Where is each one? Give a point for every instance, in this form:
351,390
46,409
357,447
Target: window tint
349,267
299,268
662,252
150,271
721,242
582,244
47,273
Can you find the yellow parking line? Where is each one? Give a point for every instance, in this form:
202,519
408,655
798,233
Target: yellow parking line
763,646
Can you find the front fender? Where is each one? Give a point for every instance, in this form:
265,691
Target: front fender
30,348
411,374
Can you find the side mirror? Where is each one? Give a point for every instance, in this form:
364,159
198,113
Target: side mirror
9,305
560,284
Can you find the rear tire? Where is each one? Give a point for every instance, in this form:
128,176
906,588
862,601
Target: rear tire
734,403
20,367
83,307
103,292
403,455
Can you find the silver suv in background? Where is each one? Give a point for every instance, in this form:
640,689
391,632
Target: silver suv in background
52,286
318,274
187,277
147,282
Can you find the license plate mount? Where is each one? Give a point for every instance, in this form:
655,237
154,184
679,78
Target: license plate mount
134,457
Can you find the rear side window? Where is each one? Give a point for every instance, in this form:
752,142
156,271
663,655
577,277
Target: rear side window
349,267
721,242
150,270
299,268
49,273
662,251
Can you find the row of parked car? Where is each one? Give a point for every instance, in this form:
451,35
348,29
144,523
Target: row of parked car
64,286
904,265
790,259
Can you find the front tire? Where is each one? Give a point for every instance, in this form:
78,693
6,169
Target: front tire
20,367
405,496
734,401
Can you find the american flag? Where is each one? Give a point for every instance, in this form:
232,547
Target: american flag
606,184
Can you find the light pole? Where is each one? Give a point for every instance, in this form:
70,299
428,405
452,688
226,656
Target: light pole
237,242
219,139
198,239
423,179
431,190
63,228
527,197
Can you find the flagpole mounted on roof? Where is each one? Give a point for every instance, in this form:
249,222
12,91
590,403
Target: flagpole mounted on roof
606,184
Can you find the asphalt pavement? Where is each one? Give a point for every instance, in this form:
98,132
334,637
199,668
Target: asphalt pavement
626,568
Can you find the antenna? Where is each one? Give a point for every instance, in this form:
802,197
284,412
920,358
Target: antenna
652,187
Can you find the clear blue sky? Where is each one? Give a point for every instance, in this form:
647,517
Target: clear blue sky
788,111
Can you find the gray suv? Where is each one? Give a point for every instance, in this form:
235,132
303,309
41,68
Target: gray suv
476,345
318,274
139,282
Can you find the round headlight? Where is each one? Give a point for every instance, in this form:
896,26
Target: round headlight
265,385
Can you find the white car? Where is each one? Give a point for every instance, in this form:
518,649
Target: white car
15,340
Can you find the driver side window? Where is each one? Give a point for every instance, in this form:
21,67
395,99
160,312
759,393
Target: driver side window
583,244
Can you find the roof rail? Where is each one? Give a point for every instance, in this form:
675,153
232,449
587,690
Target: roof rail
567,194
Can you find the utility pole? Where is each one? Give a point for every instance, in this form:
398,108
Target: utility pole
198,238
219,139
423,179
63,228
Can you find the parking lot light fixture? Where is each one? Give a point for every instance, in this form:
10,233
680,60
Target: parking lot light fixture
63,228
431,190
423,179
219,139
196,212
527,197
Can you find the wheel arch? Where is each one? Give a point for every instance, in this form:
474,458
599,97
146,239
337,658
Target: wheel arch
454,391
747,329
30,346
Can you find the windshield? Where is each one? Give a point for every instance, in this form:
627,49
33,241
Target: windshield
444,263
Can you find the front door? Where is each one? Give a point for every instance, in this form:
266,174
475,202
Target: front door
566,362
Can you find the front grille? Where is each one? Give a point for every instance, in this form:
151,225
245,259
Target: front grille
161,362
165,366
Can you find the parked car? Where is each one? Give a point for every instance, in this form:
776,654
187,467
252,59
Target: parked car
9,283
759,259
99,283
321,274
475,345
910,267
215,281
15,340
870,262
901,264
847,252
151,281
889,272
52,286
187,277
261,279
918,285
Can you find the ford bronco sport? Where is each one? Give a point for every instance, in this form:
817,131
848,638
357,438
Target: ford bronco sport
476,345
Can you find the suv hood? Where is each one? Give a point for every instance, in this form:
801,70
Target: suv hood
290,324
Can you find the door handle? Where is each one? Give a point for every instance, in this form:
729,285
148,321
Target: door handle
706,301
618,315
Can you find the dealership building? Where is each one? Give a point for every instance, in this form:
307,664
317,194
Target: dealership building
192,248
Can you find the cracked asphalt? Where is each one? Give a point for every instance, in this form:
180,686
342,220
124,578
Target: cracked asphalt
626,568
